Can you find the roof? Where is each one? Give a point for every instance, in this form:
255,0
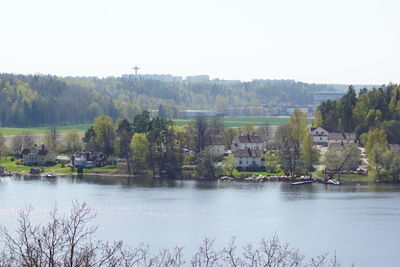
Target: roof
43,152
328,129
25,151
249,138
248,153
214,140
394,147
342,136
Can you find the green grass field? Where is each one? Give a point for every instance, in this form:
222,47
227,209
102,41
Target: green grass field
229,122
42,130
13,167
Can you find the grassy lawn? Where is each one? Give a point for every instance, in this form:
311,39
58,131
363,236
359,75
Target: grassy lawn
42,130
13,167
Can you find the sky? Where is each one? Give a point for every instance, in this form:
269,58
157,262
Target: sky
320,41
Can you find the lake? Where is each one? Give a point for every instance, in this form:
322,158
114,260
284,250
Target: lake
359,222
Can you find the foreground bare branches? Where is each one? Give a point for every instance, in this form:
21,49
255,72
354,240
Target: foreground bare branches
68,241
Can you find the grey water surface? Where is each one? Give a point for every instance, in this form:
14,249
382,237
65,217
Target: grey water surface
358,221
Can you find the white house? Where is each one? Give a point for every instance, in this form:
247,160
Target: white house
337,140
251,141
215,145
248,158
320,135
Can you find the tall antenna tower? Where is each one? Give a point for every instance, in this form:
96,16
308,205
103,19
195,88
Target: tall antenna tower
136,68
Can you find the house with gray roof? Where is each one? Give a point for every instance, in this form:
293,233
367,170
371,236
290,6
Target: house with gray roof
215,144
251,141
339,139
320,135
394,147
38,156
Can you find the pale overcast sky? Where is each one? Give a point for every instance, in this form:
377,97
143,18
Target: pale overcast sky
323,41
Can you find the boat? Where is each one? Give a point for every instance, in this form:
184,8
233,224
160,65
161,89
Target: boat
302,182
333,182
49,175
226,178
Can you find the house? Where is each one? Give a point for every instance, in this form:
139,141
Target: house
320,135
251,141
394,147
215,145
248,158
89,159
339,139
38,156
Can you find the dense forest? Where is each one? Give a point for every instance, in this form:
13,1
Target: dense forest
30,100
370,109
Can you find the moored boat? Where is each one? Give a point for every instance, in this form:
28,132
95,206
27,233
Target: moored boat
333,182
49,175
302,182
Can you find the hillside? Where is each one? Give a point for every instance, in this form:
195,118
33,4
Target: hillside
38,100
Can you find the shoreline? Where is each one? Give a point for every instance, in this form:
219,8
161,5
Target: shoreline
187,177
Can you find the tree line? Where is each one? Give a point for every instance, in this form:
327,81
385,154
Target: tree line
32,100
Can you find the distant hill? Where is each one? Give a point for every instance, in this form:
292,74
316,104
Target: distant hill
34,100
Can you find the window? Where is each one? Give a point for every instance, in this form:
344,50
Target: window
240,162
320,138
316,132
254,162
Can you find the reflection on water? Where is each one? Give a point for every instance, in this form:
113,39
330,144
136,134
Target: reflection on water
163,212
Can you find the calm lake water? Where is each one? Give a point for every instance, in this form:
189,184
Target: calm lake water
360,222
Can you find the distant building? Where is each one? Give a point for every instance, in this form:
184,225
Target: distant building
394,147
215,145
305,109
248,158
38,155
339,139
251,141
167,78
198,79
320,97
320,135
191,113
89,159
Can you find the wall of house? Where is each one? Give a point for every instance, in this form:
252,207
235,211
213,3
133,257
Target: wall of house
322,139
257,146
245,162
